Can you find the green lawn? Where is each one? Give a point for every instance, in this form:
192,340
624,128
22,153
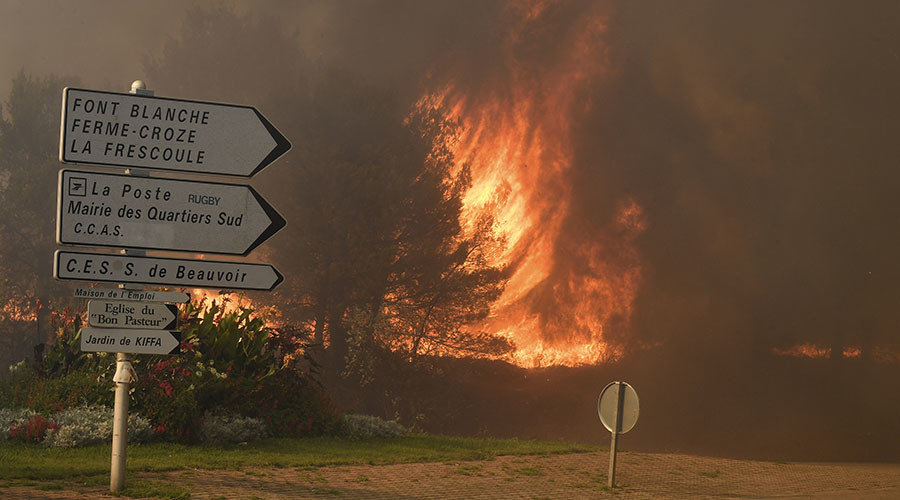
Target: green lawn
34,462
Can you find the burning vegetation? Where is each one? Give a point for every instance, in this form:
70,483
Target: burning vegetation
584,189
516,143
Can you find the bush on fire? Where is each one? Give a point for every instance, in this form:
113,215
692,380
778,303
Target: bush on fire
230,362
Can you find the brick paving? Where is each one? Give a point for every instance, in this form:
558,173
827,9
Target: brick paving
573,476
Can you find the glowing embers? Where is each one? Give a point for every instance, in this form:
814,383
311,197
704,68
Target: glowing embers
23,310
805,350
231,302
809,350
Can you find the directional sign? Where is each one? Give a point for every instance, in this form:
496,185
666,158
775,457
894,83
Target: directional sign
188,273
114,314
125,211
110,128
125,294
618,407
131,341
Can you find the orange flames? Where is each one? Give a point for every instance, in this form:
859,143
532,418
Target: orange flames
17,311
516,138
232,302
805,350
228,302
815,351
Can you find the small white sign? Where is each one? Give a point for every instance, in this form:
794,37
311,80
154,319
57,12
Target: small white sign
618,411
188,273
125,294
130,341
133,130
122,314
125,211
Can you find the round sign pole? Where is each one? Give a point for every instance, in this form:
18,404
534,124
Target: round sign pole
124,371
120,422
613,445
618,410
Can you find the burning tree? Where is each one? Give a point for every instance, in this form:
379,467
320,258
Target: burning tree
382,260
376,258
437,281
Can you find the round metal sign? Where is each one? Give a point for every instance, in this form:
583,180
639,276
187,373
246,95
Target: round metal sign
610,404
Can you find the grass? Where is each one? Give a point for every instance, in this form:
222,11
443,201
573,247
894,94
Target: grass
711,474
22,461
468,470
530,471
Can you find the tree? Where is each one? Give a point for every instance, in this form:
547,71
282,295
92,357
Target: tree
439,282
373,252
381,255
29,135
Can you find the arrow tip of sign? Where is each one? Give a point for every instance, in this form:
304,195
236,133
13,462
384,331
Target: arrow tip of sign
177,335
282,145
276,221
278,278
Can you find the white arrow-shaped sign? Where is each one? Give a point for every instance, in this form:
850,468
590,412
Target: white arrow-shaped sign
131,341
126,294
110,128
125,211
188,273
115,314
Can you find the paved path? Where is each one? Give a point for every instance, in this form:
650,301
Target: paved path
574,476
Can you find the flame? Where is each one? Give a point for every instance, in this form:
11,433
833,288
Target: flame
17,311
227,302
851,352
516,138
805,350
815,351
232,302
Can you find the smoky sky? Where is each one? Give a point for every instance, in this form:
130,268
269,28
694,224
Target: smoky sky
761,140
758,137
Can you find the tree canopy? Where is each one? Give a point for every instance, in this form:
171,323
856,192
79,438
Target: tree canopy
373,253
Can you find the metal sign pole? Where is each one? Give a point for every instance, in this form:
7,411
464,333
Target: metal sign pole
124,372
617,428
120,423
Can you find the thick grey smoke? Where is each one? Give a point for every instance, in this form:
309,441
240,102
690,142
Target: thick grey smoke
758,137
760,140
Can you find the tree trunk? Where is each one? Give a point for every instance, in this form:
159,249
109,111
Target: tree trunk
337,341
319,330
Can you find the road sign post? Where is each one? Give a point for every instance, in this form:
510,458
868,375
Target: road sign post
123,379
132,341
124,211
135,213
164,271
141,130
115,314
132,295
618,407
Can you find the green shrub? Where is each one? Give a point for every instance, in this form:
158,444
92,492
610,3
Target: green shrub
69,428
229,361
11,418
367,426
230,428
26,387
289,402
32,430
88,425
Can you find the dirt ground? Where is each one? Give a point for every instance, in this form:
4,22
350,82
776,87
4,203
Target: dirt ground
575,476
